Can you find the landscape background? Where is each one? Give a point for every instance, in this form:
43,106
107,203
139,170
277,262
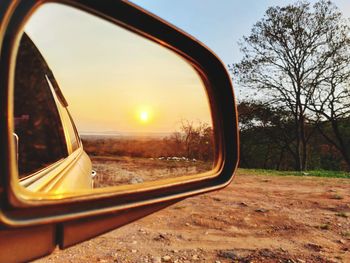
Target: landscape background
131,159
277,210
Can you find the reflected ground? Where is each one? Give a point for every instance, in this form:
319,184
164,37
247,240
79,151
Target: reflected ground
120,160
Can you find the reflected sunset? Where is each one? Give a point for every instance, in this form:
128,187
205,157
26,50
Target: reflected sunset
141,111
114,80
144,116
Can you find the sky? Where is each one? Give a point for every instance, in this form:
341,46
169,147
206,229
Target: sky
219,24
117,81
113,79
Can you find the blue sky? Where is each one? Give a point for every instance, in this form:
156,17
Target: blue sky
219,24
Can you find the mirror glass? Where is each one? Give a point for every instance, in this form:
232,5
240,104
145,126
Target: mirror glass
96,105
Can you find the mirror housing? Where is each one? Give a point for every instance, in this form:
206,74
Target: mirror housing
104,210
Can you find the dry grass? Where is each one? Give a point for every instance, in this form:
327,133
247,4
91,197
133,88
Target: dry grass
128,170
120,161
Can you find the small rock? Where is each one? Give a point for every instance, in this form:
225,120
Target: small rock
160,237
166,259
341,241
136,180
229,254
266,253
134,242
133,251
282,249
314,247
217,261
195,257
156,260
179,236
175,251
261,210
187,224
300,260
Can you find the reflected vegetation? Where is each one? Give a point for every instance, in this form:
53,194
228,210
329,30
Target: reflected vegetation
135,159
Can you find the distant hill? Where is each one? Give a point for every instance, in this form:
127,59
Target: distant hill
126,134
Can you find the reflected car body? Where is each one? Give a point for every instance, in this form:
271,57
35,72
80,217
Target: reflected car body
50,152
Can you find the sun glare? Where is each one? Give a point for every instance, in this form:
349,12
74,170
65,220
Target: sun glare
144,116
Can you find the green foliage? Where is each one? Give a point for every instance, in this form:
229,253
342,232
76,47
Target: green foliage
267,140
297,60
316,173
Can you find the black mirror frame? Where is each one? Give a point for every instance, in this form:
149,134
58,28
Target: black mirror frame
16,211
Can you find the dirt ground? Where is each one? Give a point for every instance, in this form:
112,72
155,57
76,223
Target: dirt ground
255,219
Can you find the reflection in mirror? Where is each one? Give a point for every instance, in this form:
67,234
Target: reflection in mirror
97,105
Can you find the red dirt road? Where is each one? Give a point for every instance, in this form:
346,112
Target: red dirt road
255,219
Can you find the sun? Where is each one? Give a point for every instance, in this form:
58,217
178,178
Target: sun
144,116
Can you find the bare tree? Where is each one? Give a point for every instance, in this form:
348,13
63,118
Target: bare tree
287,55
194,141
198,139
331,102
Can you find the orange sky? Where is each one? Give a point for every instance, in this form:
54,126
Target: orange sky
113,78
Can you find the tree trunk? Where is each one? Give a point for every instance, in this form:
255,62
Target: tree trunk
298,150
304,143
278,167
341,147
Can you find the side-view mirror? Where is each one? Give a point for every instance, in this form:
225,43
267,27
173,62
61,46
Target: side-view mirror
107,116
